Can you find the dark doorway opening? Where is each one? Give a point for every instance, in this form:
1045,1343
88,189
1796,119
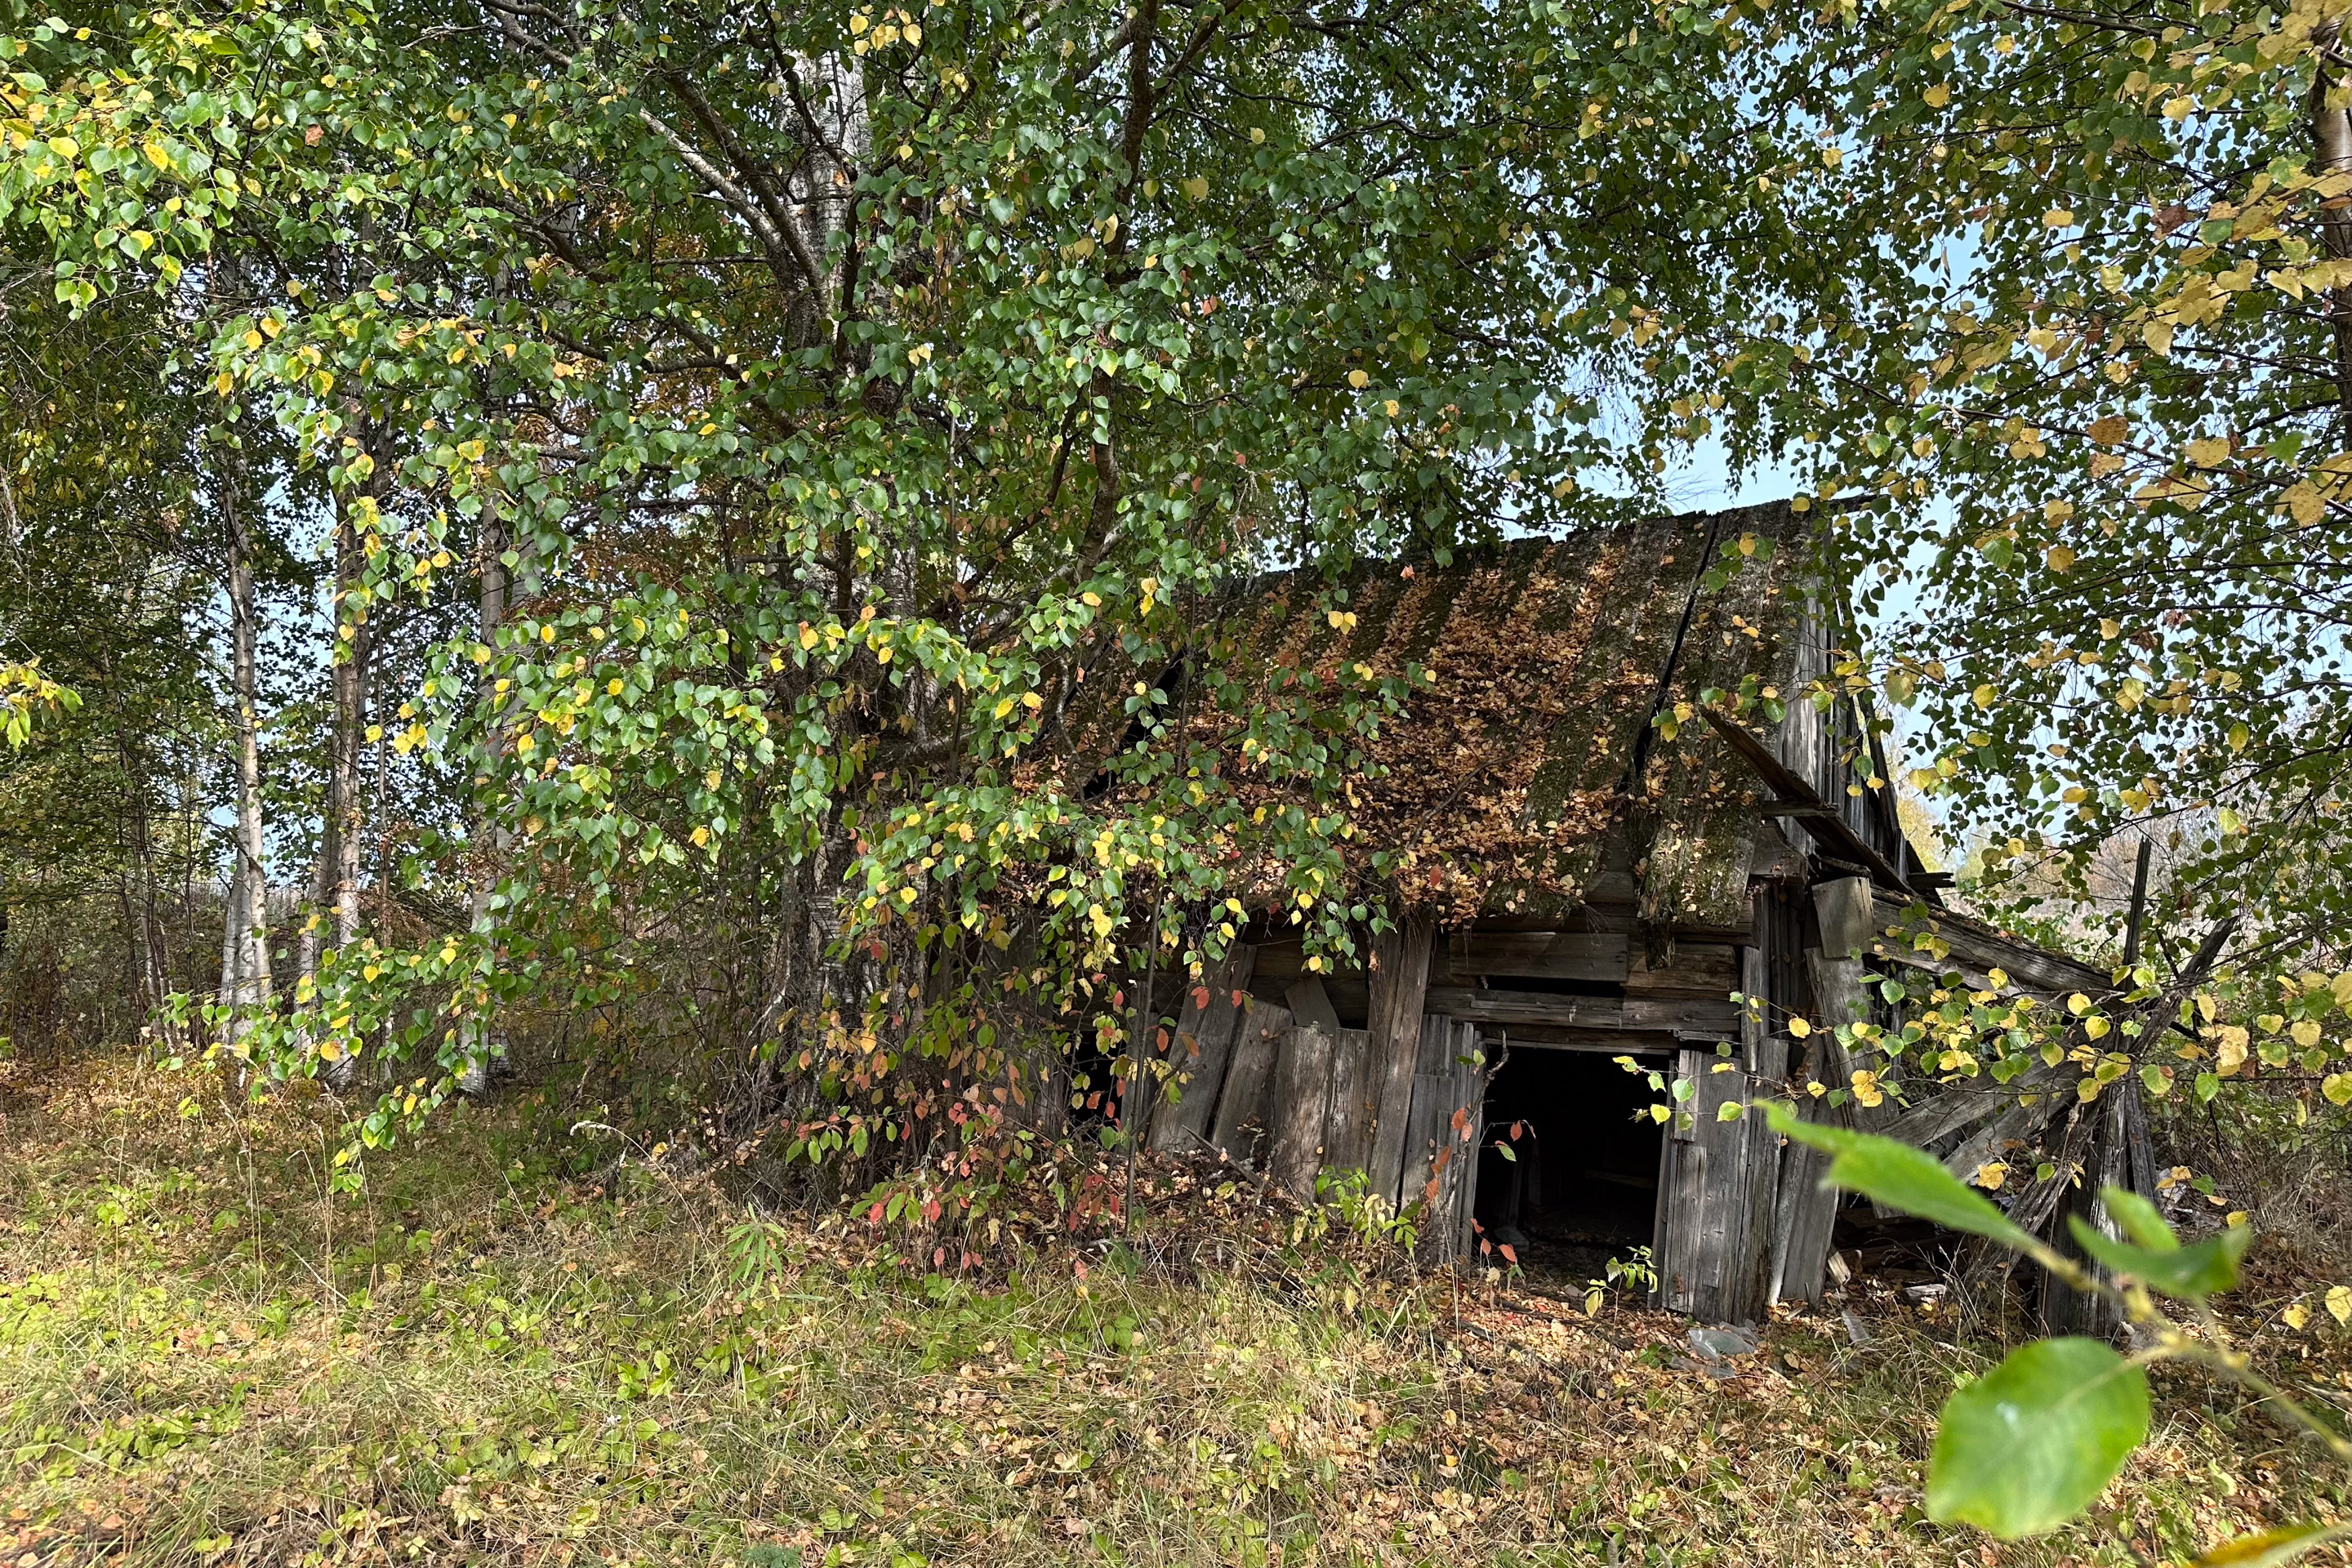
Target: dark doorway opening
1584,1186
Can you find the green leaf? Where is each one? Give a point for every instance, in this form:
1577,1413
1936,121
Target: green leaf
2034,1441
2139,1219
2270,1548
2176,1270
1901,1177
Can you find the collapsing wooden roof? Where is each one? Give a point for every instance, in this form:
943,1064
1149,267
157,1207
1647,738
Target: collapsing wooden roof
1529,769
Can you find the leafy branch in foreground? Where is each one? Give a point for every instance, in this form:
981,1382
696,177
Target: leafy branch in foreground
2033,1443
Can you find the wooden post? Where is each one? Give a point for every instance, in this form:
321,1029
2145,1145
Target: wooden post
1300,1108
2136,922
1400,985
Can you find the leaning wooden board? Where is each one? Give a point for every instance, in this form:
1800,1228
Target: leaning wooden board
1300,1109
1237,1126
1206,1028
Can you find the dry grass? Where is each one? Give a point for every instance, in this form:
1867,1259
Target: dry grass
205,1359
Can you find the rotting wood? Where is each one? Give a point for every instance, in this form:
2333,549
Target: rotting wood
1310,1003
1550,1038
1348,1127
1826,825
1300,1112
1238,1126
1697,1015
1597,957
1747,1278
1455,1171
1399,989
1205,1030
1429,1123
1972,946
1699,969
1720,1180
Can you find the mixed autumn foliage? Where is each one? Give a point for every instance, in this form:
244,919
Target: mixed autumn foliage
742,533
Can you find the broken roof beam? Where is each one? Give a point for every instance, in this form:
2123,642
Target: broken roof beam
1976,948
1816,816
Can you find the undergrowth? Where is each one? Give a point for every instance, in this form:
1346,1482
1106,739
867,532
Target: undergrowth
207,1357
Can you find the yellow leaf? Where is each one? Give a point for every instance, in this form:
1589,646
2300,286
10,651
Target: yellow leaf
1800,1028
1196,187
2157,336
2110,431
2305,504
2339,1304
2297,1315
2058,217
2060,558
2337,1087
2305,1032
2205,454
1937,96
1358,379
1989,1176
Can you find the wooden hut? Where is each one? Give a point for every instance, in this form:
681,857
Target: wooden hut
1585,888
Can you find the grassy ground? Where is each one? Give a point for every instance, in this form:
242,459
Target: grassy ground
206,1359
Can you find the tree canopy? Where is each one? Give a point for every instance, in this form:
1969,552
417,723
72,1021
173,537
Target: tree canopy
740,434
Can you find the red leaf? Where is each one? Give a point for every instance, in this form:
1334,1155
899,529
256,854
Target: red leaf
1201,997
1509,1256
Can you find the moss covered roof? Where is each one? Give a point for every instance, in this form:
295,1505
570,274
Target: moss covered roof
1527,773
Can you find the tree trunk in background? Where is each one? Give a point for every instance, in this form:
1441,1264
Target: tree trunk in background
244,943
481,1044
340,859
2331,153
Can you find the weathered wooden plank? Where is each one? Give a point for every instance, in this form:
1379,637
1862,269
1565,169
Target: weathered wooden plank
1975,949
1300,1110
1550,1037
1682,1195
1696,1014
1399,989
1428,1125
1697,969
1348,1127
1310,1003
1470,1075
1205,1028
1828,828
1806,1212
1239,1126
1842,907
1748,1280
1601,957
